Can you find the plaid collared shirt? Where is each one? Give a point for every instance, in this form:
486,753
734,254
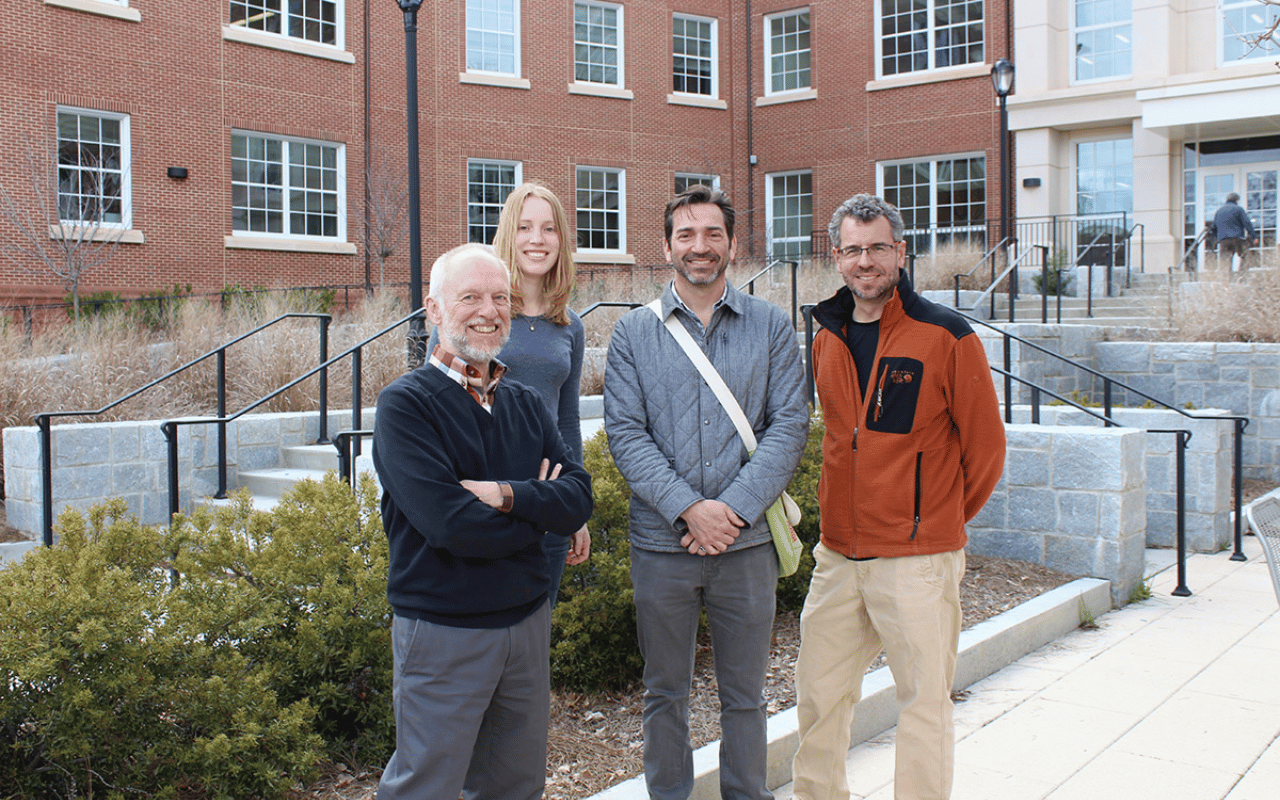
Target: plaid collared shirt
468,377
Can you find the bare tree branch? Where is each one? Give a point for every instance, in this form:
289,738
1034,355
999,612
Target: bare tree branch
1268,37
45,242
387,199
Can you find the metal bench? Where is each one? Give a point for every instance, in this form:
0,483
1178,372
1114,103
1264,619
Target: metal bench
1264,519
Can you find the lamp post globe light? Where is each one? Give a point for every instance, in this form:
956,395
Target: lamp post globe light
417,338
1002,80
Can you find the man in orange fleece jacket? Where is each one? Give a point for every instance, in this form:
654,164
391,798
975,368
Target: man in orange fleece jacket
914,447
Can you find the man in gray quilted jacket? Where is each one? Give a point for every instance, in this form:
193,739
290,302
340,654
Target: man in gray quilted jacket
699,538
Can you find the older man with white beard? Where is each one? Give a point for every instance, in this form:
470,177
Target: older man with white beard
475,475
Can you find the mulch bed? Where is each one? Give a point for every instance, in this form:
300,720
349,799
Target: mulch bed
595,741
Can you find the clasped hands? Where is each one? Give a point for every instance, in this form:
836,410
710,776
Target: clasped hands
713,527
490,493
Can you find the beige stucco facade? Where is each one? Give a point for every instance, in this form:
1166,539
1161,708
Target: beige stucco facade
1182,90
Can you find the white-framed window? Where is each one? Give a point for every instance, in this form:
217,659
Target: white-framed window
319,21
601,209
283,186
1104,39
686,179
1104,176
116,9
493,37
93,168
695,64
1243,23
940,199
597,43
920,35
488,184
786,52
789,203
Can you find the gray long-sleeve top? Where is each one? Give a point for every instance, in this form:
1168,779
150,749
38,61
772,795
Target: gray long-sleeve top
671,438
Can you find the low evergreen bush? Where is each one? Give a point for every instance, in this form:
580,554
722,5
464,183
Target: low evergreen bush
593,626
226,655
804,490
115,685
302,591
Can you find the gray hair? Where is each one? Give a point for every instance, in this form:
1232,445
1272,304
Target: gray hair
1233,198
447,265
864,207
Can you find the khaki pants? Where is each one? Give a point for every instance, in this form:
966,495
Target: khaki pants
908,606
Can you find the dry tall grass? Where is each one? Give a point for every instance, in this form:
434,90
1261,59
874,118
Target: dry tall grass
935,270
90,364
1219,307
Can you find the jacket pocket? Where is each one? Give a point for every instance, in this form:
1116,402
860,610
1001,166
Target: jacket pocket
891,406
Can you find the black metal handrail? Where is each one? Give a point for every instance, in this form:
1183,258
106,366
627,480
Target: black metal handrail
347,443
170,427
1180,469
1011,272
607,304
749,286
1182,262
988,256
44,420
1111,268
1108,383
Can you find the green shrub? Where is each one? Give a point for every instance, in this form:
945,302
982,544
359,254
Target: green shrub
159,311
97,304
804,490
593,627
302,591
1058,282
115,686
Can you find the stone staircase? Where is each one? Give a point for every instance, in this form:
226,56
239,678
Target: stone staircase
1145,304
268,484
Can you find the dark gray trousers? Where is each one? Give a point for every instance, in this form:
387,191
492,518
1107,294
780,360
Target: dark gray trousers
472,707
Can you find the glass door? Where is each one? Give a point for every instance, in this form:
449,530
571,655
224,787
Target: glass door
1215,185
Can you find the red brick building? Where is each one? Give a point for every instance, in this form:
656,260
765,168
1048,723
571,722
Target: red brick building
232,141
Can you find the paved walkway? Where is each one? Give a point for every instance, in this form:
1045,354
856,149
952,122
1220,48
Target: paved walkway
1175,698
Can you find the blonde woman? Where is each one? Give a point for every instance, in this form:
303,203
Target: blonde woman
547,340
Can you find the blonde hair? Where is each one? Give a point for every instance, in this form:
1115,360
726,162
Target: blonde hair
557,285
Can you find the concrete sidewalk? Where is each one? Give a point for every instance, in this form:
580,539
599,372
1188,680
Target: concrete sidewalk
1172,697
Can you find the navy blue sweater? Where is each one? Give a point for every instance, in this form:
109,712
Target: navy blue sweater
453,559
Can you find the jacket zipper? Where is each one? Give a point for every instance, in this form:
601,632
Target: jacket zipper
916,526
880,395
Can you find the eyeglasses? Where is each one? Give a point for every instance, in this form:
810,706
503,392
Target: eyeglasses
878,250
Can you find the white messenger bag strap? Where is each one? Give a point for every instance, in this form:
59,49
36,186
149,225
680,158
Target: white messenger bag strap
709,374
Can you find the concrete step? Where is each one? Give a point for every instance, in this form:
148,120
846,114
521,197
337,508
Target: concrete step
268,485
312,456
273,483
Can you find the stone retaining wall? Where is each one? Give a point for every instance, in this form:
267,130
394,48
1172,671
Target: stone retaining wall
93,461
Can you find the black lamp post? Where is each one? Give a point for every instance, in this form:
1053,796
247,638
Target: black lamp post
417,343
1002,80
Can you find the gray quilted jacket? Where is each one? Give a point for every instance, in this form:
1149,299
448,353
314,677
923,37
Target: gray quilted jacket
670,437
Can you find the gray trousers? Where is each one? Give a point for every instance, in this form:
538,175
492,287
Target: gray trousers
738,591
472,707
